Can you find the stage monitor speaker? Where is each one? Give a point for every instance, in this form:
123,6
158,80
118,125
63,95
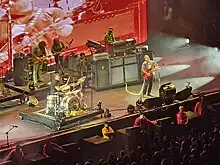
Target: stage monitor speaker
20,69
184,94
167,92
153,102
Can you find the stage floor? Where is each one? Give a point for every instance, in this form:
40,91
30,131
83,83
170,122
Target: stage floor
180,63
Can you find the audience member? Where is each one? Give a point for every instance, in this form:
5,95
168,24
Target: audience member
182,118
130,109
197,147
107,131
52,149
143,122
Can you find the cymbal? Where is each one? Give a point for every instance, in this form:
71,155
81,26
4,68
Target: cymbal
81,80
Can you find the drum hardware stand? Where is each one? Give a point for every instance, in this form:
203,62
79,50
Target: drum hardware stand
7,133
51,82
92,75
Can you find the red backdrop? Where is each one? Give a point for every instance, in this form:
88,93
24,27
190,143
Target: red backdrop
128,18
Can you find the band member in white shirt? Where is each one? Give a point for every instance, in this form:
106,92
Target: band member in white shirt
148,67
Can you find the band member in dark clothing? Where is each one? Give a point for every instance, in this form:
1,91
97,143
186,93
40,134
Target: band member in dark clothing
56,49
39,54
109,37
148,67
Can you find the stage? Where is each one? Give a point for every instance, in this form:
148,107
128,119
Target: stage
180,63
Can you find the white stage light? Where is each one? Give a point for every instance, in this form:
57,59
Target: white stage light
216,49
146,46
187,40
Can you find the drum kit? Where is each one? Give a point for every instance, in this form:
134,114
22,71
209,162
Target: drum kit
68,98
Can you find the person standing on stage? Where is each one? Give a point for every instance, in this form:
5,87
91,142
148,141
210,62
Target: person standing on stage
56,49
39,53
148,67
109,37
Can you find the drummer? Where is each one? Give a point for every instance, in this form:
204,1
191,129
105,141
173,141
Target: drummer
57,83
61,87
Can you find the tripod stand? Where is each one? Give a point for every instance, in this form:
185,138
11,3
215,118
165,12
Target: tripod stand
7,133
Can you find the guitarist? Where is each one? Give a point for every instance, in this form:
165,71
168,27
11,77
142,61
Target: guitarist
39,53
56,49
148,67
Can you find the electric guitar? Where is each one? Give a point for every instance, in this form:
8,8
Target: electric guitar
148,74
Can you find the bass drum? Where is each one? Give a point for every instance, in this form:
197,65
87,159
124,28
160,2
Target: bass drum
69,104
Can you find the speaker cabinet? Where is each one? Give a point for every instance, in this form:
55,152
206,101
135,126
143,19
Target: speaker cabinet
73,63
117,75
102,74
21,69
184,94
131,68
117,71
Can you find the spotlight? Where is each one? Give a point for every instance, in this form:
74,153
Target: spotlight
216,49
146,47
187,40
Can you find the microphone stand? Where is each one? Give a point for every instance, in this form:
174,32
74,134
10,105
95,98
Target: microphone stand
7,133
159,79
